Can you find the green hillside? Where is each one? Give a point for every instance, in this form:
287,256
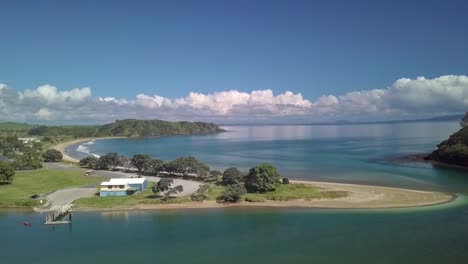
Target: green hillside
14,126
129,128
149,128
454,150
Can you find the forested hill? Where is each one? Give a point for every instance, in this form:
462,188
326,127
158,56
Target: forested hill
453,150
149,128
129,128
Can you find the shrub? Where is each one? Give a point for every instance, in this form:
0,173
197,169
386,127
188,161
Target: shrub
231,176
232,193
52,155
285,181
255,199
201,194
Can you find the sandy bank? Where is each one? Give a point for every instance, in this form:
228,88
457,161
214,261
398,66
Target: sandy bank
62,147
360,197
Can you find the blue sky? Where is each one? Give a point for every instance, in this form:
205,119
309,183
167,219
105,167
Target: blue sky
170,48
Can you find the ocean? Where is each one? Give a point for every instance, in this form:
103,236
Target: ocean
343,153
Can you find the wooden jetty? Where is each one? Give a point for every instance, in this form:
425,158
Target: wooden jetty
59,216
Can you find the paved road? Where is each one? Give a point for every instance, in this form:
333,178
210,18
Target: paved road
66,196
190,187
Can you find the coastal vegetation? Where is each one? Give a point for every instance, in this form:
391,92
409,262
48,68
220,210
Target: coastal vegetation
30,159
262,178
454,150
128,128
7,173
231,176
52,155
164,187
232,193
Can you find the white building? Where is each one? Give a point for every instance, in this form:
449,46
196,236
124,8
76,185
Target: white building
29,140
122,186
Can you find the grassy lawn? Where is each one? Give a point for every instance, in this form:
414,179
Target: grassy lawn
145,197
284,192
43,181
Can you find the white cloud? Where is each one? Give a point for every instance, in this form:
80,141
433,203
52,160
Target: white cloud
406,97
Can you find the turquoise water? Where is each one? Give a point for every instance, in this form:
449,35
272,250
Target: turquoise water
351,153
344,153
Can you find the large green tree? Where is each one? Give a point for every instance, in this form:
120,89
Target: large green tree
52,155
90,162
110,161
231,176
154,167
140,162
7,172
262,178
30,159
186,166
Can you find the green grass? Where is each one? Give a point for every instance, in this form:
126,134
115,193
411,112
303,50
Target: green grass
43,181
145,197
284,192
15,126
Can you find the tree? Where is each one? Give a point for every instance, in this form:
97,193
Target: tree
52,155
172,191
262,178
285,181
232,193
464,121
216,175
140,162
30,160
110,161
89,162
202,193
154,167
186,166
231,176
7,172
37,146
164,186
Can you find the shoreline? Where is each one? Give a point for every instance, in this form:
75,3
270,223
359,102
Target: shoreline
360,197
64,145
421,158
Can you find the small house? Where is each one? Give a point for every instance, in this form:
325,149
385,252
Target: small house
122,186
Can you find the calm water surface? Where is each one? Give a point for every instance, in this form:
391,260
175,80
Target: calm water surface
349,153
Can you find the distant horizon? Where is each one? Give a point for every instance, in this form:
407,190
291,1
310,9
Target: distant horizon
437,118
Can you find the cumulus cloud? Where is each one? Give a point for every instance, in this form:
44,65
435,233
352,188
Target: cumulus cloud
406,97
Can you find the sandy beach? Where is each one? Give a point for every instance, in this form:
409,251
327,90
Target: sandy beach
360,197
62,146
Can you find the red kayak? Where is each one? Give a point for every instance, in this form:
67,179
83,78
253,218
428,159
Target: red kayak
26,223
